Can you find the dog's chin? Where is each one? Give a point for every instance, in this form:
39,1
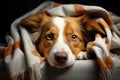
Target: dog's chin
57,65
62,66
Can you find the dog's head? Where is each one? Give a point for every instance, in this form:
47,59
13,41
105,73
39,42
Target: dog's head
60,39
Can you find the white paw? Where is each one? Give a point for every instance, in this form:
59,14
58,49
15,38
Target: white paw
82,55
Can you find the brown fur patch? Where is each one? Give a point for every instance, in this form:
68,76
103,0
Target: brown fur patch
56,4
73,27
79,9
109,62
9,51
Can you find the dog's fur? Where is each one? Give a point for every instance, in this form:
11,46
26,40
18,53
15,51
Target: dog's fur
61,40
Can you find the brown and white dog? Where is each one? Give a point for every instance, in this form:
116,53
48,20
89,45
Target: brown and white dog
61,40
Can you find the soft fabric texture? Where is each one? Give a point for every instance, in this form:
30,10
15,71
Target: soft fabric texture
23,62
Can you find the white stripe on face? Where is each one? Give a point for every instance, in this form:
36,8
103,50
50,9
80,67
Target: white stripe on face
60,45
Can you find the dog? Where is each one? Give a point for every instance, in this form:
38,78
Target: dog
61,40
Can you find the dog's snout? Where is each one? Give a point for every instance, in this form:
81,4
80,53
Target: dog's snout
61,57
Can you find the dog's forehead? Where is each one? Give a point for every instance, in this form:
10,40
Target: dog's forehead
65,23
59,22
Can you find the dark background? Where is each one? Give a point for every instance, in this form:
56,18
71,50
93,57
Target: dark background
16,8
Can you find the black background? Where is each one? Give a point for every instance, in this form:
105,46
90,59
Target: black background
16,8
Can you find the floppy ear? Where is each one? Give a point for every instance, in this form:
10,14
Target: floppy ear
90,28
91,25
33,24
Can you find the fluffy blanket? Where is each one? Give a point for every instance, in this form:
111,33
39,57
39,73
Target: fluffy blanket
21,60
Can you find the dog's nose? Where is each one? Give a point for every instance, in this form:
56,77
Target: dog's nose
61,57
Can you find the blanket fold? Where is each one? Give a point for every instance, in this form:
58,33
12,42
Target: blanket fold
23,61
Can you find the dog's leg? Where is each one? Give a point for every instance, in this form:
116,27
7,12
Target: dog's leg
82,55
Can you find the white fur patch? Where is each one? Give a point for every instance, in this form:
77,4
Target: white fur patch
60,45
82,55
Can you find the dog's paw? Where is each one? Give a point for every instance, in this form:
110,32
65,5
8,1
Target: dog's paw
82,55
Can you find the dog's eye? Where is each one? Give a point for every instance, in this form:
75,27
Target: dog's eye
74,37
50,36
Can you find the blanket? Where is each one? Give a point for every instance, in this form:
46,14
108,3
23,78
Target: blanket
20,60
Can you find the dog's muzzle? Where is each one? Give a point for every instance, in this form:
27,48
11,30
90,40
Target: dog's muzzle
61,57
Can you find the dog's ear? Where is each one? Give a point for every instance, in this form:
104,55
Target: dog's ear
33,22
90,27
